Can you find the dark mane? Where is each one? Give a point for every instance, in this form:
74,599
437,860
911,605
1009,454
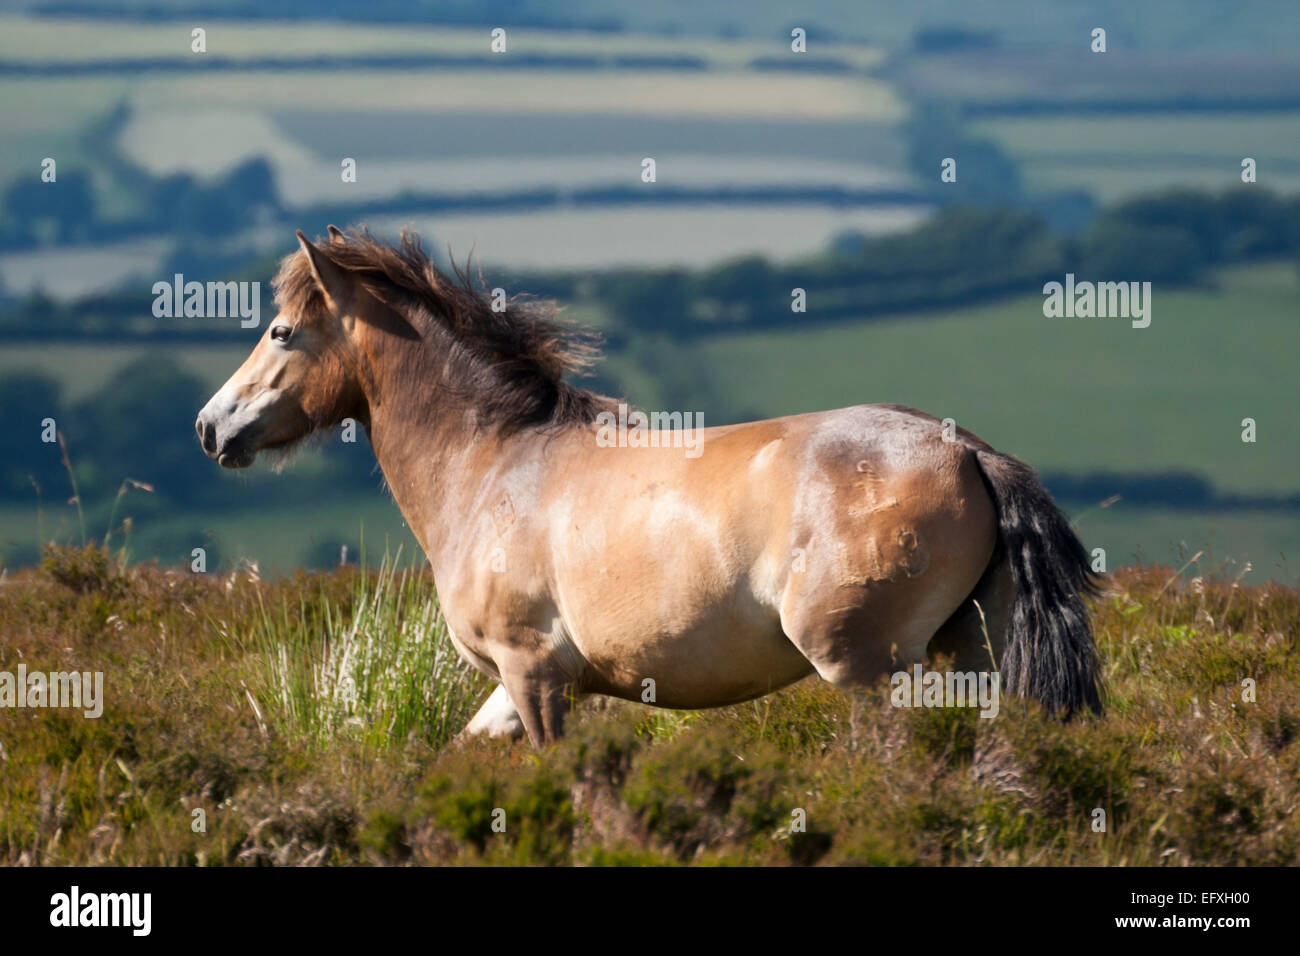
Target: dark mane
509,366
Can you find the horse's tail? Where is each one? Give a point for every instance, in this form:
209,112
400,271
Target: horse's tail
1050,655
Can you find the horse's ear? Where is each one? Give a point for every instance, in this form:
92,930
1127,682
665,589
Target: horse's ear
332,280
336,234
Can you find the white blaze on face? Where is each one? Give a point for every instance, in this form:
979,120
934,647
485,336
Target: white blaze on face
232,414
234,423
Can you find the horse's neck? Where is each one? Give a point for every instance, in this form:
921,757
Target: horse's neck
435,460
414,445
424,466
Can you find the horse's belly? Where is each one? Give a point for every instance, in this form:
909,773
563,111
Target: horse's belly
671,592
719,657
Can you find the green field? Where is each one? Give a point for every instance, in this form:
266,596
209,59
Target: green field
1114,157
211,114
257,92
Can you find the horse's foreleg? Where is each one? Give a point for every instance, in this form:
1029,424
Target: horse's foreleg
496,718
542,694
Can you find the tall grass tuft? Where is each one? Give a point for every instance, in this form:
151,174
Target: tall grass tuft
381,671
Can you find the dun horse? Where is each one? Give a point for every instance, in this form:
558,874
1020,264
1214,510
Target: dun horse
849,543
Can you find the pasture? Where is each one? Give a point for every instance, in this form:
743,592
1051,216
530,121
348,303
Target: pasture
309,718
1115,157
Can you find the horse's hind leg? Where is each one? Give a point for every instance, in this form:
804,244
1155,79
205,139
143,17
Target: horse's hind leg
892,555
975,642
867,634
855,632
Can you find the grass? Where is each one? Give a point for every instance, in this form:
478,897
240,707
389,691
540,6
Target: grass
281,533
381,669
222,695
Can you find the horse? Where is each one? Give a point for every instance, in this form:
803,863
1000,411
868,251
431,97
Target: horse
845,543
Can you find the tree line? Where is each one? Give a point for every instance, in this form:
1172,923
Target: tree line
961,255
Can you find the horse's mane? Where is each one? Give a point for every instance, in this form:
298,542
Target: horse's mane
508,365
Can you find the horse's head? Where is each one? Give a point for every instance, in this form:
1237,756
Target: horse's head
300,377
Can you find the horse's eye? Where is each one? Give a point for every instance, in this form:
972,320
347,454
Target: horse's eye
281,333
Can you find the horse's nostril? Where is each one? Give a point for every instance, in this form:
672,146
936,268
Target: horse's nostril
207,435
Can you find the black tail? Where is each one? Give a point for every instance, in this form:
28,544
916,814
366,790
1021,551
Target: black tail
1051,655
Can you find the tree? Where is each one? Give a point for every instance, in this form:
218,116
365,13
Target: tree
28,399
62,210
1115,250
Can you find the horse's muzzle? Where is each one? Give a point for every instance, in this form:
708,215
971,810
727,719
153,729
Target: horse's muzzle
231,453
